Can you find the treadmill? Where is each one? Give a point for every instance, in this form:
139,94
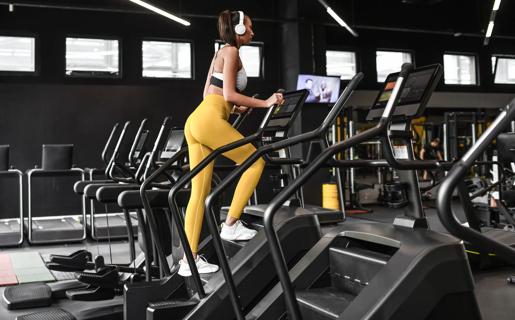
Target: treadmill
55,215
11,200
112,224
369,270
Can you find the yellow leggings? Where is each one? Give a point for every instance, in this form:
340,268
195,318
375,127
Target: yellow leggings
207,129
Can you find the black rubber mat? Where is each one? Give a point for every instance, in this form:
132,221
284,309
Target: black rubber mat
30,295
57,314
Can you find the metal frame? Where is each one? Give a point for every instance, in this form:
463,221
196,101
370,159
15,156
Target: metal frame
21,222
456,175
33,172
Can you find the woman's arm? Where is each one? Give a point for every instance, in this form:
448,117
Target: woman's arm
231,66
208,80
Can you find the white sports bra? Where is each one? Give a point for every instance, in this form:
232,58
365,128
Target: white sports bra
241,79
217,78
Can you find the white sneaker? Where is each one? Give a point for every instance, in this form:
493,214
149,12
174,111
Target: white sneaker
237,232
203,267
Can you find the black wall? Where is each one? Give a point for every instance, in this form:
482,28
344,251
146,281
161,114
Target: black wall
51,108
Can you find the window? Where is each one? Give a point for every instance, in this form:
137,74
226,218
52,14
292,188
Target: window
251,56
166,59
92,57
503,68
341,63
389,62
17,54
460,69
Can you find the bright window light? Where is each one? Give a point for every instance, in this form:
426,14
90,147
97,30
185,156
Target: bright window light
389,62
166,59
341,63
92,57
504,72
459,69
17,54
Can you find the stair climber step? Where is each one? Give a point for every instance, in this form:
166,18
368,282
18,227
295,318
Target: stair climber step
29,295
232,247
351,269
54,314
173,309
323,303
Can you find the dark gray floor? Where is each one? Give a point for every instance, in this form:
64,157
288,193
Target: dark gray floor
495,297
118,251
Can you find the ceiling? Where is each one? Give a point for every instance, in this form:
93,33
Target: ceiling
456,16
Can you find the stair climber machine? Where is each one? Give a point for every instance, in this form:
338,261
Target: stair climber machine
490,243
369,270
212,295
155,202
103,284
483,256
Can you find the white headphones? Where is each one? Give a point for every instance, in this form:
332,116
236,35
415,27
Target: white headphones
240,27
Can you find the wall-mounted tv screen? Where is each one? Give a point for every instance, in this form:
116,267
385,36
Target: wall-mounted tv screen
321,89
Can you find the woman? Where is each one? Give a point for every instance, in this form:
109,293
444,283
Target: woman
207,129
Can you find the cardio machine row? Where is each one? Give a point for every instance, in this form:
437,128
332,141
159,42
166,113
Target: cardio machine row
342,270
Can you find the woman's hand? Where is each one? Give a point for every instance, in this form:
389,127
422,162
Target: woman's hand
276,98
240,109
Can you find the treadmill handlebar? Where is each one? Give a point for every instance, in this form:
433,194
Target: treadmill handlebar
380,128
132,151
457,174
109,143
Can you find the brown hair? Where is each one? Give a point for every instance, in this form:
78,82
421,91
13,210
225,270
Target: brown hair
226,22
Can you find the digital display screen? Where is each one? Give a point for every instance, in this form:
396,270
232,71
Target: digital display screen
175,140
413,90
415,87
141,141
321,89
290,102
418,85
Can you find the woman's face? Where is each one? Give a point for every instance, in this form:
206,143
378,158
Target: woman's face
249,34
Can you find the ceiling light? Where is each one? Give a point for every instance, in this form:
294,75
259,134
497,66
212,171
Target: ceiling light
497,3
490,29
161,12
337,18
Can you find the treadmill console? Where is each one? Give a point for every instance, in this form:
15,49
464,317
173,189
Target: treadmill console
174,143
414,97
140,144
282,117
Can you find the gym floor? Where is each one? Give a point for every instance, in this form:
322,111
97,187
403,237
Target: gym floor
494,295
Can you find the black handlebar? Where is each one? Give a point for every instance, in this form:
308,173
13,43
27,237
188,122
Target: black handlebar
264,151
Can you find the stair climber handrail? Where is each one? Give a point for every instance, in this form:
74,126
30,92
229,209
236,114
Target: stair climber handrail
380,128
263,151
458,173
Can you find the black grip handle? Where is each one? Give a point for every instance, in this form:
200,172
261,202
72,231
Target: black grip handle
406,69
